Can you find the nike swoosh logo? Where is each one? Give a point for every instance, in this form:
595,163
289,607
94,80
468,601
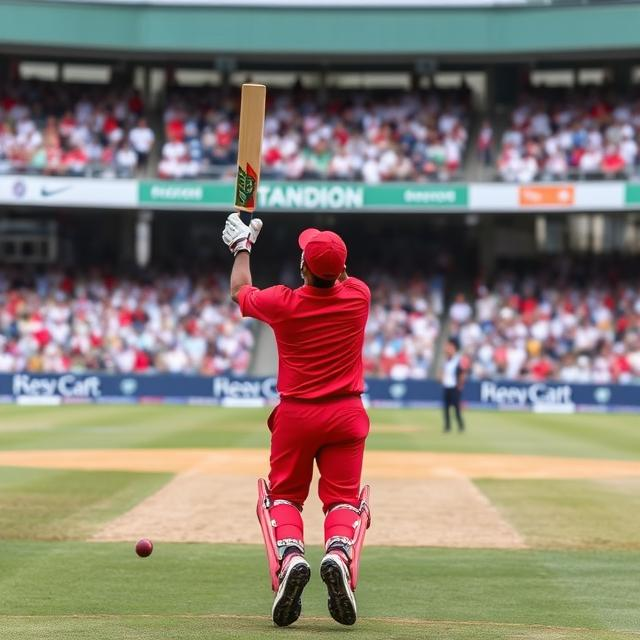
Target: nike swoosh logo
46,193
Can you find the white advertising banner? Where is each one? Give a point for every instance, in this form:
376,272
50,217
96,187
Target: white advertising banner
68,192
600,197
310,196
556,196
492,197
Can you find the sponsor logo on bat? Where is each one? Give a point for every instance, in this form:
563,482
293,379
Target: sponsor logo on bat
246,187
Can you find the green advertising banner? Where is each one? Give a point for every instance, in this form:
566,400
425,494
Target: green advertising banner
418,195
291,196
632,194
185,193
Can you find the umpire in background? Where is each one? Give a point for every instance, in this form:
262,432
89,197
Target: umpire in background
453,376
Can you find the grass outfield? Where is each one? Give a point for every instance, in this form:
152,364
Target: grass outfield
112,427
577,580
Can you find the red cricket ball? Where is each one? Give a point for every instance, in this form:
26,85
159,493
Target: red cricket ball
144,547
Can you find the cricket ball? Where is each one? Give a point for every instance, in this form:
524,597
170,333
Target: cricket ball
144,547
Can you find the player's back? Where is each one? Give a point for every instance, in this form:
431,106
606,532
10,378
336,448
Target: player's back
319,333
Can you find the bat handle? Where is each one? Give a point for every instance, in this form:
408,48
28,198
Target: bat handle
245,216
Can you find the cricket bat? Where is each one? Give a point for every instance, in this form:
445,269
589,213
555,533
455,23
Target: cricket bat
252,105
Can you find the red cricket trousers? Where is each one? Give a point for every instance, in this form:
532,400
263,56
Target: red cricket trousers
330,431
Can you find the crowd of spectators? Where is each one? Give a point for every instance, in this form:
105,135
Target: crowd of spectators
533,326
347,135
57,323
560,134
72,130
169,323
566,327
371,135
403,327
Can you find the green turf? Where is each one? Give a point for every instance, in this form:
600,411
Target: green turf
579,582
42,504
109,427
218,628
570,513
222,591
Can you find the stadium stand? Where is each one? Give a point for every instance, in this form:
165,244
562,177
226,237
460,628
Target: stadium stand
74,130
180,324
527,324
54,322
561,323
370,136
374,136
403,327
92,130
559,134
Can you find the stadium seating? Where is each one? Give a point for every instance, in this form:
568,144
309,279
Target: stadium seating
523,326
403,327
169,323
73,130
88,130
564,327
174,323
368,136
560,134
374,136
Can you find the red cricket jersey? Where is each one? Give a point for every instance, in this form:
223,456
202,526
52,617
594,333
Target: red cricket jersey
319,332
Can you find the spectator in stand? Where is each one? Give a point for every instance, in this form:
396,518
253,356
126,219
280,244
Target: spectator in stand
485,144
142,138
126,161
460,310
343,167
556,166
613,163
75,161
176,161
590,160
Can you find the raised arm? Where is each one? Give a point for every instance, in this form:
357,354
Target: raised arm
240,237
240,273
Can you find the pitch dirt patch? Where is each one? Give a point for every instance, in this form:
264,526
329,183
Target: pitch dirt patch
194,507
419,498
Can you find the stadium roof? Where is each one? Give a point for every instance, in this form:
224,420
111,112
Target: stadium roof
155,28
392,4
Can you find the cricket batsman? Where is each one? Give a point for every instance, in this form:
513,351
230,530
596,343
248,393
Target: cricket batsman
319,330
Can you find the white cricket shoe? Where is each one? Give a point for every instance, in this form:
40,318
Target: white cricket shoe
294,575
334,572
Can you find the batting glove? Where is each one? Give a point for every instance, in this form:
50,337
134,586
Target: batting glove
239,236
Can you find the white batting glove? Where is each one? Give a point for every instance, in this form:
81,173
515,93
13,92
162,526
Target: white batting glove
239,236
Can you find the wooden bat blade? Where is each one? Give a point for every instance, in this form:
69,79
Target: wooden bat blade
252,106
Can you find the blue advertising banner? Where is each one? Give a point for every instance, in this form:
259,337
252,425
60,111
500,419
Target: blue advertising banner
27,388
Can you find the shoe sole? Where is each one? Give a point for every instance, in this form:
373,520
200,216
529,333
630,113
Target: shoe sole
288,607
341,605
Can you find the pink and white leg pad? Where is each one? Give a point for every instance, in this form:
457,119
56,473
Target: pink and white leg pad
281,526
346,525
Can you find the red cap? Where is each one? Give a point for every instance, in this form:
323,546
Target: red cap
324,252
